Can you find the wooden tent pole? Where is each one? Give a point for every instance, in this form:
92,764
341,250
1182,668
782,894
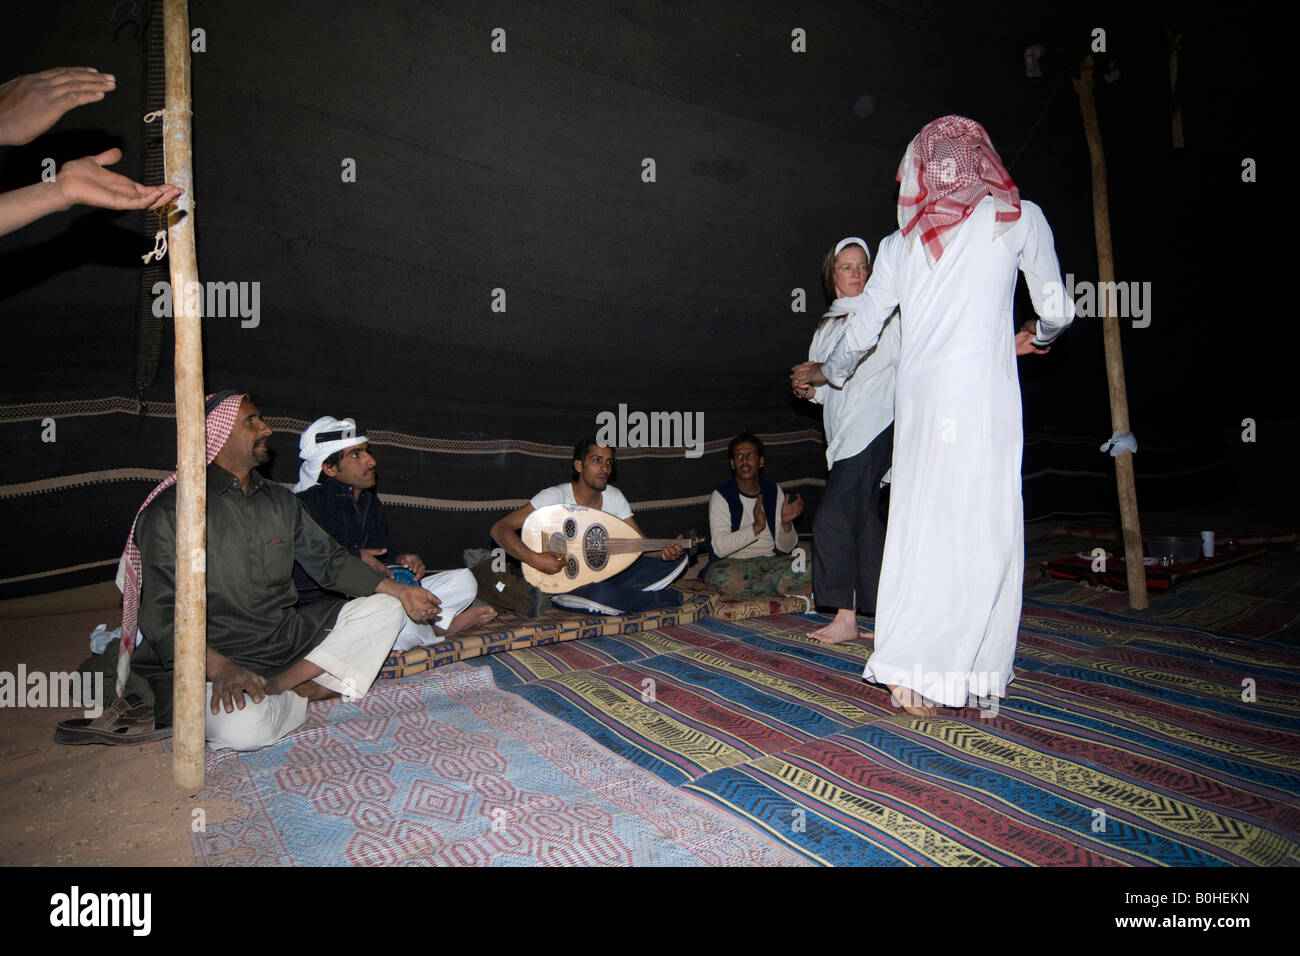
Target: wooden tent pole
1175,44
1128,509
191,457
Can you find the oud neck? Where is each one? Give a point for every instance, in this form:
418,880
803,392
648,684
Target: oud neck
634,545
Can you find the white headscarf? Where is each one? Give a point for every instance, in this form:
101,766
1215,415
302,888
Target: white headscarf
322,438
850,241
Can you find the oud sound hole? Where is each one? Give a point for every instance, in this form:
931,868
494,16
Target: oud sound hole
571,566
595,547
570,528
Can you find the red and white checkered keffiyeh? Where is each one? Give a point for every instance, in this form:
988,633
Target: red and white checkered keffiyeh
948,168
219,424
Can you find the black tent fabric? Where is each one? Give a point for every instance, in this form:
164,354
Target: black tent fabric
477,227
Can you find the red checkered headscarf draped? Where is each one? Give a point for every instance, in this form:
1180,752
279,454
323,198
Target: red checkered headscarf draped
220,423
949,167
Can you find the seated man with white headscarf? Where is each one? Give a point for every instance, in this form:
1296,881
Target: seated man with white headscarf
335,485
258,645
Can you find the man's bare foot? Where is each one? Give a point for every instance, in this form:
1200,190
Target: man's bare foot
843,627
314,691
295,678
471,617
912,702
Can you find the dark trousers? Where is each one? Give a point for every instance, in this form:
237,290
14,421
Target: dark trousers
624,590
848,533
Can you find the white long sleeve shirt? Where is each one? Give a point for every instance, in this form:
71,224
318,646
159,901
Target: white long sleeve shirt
854,414
743,543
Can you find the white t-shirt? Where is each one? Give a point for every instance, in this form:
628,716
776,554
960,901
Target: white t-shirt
611,499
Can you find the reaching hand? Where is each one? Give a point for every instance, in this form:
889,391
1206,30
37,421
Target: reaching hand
1025,345
371,557
86,181
32,103
760,519
791,509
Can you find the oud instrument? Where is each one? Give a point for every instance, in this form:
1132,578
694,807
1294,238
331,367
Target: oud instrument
594,545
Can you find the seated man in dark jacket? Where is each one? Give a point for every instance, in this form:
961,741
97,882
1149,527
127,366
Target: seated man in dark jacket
335,485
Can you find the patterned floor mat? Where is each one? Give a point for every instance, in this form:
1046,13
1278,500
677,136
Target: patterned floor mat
446,769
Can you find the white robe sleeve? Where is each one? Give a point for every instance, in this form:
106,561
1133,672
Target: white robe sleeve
818,396
1043,276
862,328
785,540
723,540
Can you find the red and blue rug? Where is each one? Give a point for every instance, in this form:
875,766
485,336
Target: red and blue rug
1123,742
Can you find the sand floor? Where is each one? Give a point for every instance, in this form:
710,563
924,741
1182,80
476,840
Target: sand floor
87,806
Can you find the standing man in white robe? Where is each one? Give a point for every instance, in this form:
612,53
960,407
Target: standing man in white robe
948,609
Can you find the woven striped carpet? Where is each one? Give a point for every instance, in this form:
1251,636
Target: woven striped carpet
1123,742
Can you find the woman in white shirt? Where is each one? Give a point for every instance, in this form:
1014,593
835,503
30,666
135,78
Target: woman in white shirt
848,533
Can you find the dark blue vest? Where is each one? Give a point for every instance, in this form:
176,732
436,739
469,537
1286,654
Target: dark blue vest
730,492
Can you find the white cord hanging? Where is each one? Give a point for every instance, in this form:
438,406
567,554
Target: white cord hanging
1118,443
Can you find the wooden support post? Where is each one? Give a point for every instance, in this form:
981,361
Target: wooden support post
191,456
1175,44
1128,509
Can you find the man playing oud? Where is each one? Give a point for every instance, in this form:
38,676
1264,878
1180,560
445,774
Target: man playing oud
641,587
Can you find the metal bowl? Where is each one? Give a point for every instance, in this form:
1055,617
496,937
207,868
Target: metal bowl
1184,548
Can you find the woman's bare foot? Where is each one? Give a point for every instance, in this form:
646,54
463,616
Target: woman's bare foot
912,702
843,627
471,617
